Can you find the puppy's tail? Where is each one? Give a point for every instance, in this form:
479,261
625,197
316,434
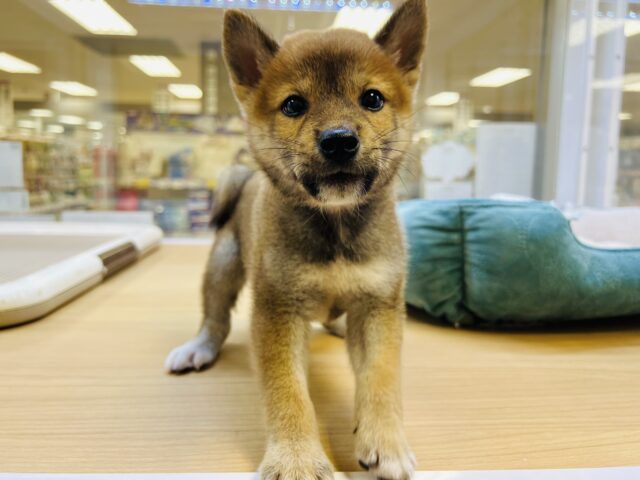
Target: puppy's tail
230,184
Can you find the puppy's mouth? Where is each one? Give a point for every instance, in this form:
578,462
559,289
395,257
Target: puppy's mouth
340,178
340,184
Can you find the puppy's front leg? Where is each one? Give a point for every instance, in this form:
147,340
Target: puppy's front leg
374,336
293,451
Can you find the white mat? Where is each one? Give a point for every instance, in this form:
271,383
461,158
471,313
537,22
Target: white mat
623,473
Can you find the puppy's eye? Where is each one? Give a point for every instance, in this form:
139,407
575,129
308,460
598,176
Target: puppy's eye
294,106
372,100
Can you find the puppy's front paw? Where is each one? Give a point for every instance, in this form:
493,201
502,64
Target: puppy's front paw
384,452
196,354
282,462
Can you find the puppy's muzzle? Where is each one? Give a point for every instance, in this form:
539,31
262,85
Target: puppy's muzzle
338,145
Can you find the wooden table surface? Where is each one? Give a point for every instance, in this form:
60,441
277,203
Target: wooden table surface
83,390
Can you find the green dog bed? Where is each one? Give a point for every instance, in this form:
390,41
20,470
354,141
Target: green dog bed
499,263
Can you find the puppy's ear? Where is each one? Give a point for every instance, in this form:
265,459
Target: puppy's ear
247,49
404,36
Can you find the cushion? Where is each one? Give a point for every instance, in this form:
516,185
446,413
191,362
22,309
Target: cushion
503,263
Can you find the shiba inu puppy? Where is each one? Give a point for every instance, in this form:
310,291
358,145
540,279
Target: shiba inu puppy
314,231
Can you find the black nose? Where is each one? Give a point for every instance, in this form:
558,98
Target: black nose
338,144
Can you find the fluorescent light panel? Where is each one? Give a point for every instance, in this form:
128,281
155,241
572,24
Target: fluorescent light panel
96,16
40,113
631,82
606,25
11,64
71,120
443,99
366,20
631,28
155,65
76,89
26,123
294,5
187,91
55,129
500,77
93,125
625,116
578,29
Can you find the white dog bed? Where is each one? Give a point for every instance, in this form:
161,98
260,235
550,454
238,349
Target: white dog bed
43,265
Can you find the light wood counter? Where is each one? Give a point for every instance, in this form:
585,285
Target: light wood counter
84,390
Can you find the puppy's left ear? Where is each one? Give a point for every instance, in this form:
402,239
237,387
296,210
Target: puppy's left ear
404,36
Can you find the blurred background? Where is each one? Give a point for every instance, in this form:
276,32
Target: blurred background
125,105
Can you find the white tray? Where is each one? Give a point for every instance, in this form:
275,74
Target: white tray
44,265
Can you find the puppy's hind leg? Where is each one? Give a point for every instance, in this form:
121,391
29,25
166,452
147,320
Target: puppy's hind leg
223,280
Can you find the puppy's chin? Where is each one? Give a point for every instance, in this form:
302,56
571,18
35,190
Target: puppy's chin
340,190
332,196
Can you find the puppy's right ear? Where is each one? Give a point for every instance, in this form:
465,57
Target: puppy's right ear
247,50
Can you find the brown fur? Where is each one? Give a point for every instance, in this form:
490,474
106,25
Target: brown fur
310,249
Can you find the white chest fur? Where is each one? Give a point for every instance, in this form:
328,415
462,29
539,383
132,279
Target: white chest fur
343,277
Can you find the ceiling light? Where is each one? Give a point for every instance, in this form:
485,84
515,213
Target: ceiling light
475,123
55,129
631,28
366,20
625,116
94,125
26,124
12,64
500,77
155,65
71,120
631,82
96,16
294,5
578,31
443,99
76,89
186,91
40,113
613,83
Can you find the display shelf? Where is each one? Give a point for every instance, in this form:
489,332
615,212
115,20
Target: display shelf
63,172
58,207
178,205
